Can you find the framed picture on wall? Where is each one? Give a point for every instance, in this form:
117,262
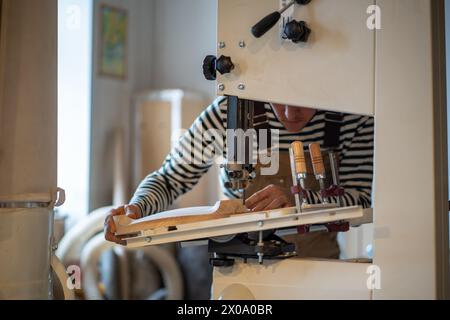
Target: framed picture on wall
113,41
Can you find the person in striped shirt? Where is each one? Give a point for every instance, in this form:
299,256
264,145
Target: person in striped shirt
179,173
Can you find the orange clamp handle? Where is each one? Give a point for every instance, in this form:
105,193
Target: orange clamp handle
299,157
316,159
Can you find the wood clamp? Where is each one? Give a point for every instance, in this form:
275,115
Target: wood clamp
299,174
319,168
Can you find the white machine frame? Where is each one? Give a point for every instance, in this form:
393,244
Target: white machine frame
407,91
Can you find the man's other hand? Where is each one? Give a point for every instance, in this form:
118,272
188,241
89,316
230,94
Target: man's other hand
131,211
270,198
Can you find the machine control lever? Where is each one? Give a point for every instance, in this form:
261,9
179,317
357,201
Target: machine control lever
267,23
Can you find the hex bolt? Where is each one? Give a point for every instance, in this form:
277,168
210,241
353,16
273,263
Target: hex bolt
241,86
221,87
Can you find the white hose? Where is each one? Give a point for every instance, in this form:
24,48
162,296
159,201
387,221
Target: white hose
71,245
62,276
163,260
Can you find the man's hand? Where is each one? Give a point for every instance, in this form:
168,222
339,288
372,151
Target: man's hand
270,198
109,228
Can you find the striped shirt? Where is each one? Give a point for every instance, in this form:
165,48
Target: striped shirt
178,176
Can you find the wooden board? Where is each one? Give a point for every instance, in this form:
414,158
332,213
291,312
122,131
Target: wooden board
173,218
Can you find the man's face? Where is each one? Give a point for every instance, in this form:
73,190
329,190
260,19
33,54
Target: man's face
294,119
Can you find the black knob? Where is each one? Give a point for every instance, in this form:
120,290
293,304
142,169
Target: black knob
267,23
296,31
211,65
224,65
209,68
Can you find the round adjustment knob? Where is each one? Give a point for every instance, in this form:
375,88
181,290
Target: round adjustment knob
224,65
297,31
209,68
211,65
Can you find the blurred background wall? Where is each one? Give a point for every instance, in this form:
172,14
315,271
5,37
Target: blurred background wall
185,32
112,98
168,40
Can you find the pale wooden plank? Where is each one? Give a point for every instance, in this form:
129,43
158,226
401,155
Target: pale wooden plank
223,209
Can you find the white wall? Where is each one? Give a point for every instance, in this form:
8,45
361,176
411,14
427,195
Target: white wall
185,32
112,98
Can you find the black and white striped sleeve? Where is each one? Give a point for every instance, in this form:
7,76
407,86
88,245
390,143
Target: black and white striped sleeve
187,162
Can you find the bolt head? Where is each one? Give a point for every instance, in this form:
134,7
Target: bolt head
242,44
148,239
241,86
221,87
222,45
